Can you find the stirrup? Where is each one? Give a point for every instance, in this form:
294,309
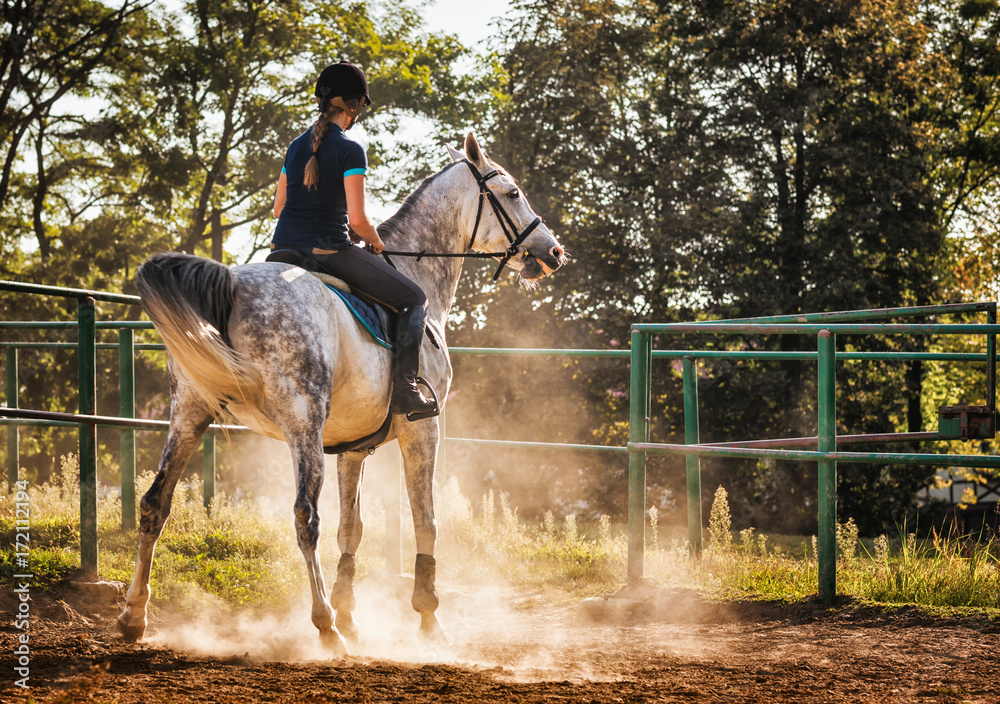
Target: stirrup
420,415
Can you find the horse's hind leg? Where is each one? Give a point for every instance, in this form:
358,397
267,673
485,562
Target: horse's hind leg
418,442
188,421
350,472
307,456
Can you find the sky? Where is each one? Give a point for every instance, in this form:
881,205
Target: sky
469,19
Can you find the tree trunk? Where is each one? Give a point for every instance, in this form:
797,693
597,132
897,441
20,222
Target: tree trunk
38,199
216,235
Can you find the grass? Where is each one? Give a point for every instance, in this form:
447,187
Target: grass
247,558
939,571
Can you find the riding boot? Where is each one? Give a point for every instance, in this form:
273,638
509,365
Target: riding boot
406,397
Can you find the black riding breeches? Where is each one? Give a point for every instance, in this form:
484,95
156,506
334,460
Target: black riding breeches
371,275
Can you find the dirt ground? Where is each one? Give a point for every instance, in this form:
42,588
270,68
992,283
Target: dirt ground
655,647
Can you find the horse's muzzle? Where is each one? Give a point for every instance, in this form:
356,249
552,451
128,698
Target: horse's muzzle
535,268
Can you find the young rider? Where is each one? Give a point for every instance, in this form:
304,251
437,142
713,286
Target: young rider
320,206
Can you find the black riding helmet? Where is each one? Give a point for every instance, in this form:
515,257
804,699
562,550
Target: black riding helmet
344,80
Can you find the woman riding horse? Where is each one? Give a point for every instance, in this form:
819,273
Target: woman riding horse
320,206
288,359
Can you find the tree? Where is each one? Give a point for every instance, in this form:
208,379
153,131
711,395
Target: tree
616,168
968,168
750,158
54,51
185,119
226,104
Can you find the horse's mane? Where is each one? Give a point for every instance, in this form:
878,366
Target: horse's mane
394,224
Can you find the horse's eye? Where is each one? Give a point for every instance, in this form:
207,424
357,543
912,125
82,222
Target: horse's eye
514,194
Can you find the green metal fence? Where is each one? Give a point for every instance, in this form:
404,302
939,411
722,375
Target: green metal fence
86,420
824,325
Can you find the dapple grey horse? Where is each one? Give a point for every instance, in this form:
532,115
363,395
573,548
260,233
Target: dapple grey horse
285,356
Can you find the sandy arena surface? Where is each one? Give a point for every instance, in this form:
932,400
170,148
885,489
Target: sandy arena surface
507,649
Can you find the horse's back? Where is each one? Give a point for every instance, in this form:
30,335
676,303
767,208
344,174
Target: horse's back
311,351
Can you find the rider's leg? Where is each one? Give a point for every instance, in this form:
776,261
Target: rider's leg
406,396
374,277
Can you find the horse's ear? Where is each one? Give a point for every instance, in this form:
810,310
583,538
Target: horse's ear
474,152
454,153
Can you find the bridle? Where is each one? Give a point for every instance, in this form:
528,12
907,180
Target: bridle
506,223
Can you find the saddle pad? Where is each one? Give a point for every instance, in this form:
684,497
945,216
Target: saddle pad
376,324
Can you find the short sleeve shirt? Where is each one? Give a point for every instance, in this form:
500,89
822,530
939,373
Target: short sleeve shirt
318,217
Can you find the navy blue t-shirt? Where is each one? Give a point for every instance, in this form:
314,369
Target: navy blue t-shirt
318,217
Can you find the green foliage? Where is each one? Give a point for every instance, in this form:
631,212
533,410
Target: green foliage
750,158
697,161
941,571
491,546
132,128
847,540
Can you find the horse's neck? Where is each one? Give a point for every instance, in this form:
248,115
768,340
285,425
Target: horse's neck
431,221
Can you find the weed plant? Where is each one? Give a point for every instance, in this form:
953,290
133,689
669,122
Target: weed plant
239,556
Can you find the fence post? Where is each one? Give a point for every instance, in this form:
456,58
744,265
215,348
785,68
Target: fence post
208,470
991,363
692,436
13,434
827,539
87,354
126,409
638,431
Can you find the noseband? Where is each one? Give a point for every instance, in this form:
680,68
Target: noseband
506,223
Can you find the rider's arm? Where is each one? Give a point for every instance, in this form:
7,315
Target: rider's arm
279,195
357,216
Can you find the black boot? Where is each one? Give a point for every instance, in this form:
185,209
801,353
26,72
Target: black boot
406,397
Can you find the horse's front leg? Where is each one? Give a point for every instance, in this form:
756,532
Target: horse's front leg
307,455
418,443
350,472
188,421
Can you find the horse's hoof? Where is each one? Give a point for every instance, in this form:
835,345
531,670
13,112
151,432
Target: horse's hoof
431,631
130,633
333,642
347,627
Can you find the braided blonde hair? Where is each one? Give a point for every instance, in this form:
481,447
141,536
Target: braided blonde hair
319,130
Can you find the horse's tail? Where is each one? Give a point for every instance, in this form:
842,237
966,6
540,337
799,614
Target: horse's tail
189,299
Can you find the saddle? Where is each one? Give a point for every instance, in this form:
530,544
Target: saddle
374,316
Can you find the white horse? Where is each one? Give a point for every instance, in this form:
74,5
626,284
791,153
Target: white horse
287,358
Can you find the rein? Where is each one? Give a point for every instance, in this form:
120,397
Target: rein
506,223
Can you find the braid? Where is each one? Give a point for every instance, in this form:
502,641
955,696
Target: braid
328,111
319,129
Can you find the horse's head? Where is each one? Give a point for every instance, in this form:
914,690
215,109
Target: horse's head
505,221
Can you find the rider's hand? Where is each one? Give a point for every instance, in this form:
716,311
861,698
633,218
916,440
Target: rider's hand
355,237
377,246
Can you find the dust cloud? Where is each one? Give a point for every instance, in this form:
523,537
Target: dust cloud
520,639
488,624
485,629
